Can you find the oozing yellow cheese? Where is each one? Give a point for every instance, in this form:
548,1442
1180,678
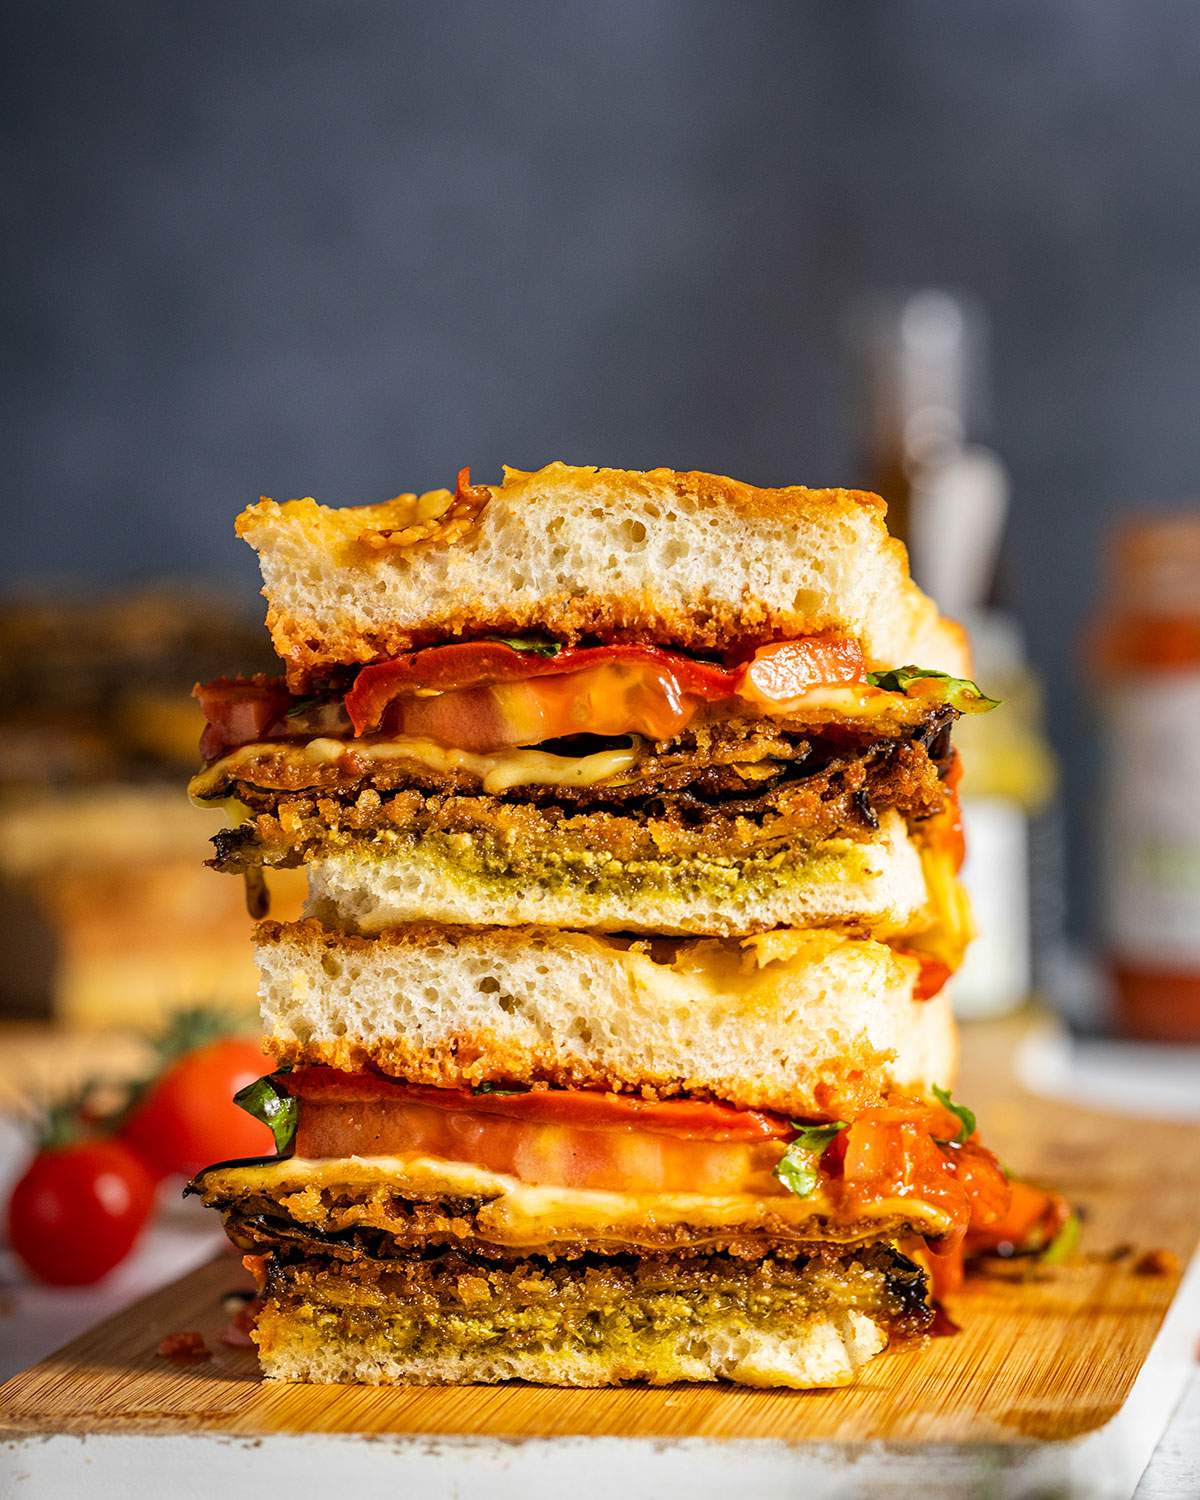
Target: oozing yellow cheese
848,700
950,923
496,772
504,769
517,1213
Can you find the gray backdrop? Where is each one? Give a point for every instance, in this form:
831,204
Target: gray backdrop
341,249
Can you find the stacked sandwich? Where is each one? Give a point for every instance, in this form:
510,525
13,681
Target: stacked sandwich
613,1044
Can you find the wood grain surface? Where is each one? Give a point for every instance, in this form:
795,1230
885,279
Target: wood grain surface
1051,1356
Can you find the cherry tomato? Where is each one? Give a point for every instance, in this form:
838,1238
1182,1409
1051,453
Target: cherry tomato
79,1210
188,1119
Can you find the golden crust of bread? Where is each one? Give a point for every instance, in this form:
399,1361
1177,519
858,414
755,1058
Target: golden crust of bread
688,559
350,523
846,1084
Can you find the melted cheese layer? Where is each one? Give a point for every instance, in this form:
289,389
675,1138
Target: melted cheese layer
504,769
520,1214
497,772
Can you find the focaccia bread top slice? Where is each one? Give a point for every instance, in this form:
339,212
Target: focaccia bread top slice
691,560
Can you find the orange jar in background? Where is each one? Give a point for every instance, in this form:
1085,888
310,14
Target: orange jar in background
1147,653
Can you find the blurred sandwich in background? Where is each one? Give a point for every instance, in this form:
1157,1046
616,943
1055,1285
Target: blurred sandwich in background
107,914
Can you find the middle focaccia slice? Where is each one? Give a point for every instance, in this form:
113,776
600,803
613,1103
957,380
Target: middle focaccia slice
807,1021
567,874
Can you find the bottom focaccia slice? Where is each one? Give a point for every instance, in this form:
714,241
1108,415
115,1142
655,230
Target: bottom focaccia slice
805,1321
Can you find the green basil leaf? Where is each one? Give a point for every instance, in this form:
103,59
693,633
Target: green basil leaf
798,1173
817,1137
959,692
797,1167
302,706
264,1101
495,1088
965,1116
529,644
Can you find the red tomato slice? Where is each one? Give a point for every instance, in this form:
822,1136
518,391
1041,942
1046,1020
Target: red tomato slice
612,698
483,696
585,1139
784,670
239,710
624,1158
469,664
693,1118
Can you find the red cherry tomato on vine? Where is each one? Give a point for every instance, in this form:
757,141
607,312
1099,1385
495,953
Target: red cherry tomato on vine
79,1210
188,1120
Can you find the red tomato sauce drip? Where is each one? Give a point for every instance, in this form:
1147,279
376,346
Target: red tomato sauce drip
932,976
908,1148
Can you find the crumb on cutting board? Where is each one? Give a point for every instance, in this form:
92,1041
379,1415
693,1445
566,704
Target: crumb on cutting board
184,1347
1156,1263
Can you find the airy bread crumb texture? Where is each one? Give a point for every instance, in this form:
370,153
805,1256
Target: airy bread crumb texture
812,1023
876,883
693,560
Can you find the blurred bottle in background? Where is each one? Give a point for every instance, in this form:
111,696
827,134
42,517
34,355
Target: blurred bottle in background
1145,651
925,379
1013,867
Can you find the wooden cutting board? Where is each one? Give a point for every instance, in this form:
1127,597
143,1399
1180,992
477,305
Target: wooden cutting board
1064,1378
